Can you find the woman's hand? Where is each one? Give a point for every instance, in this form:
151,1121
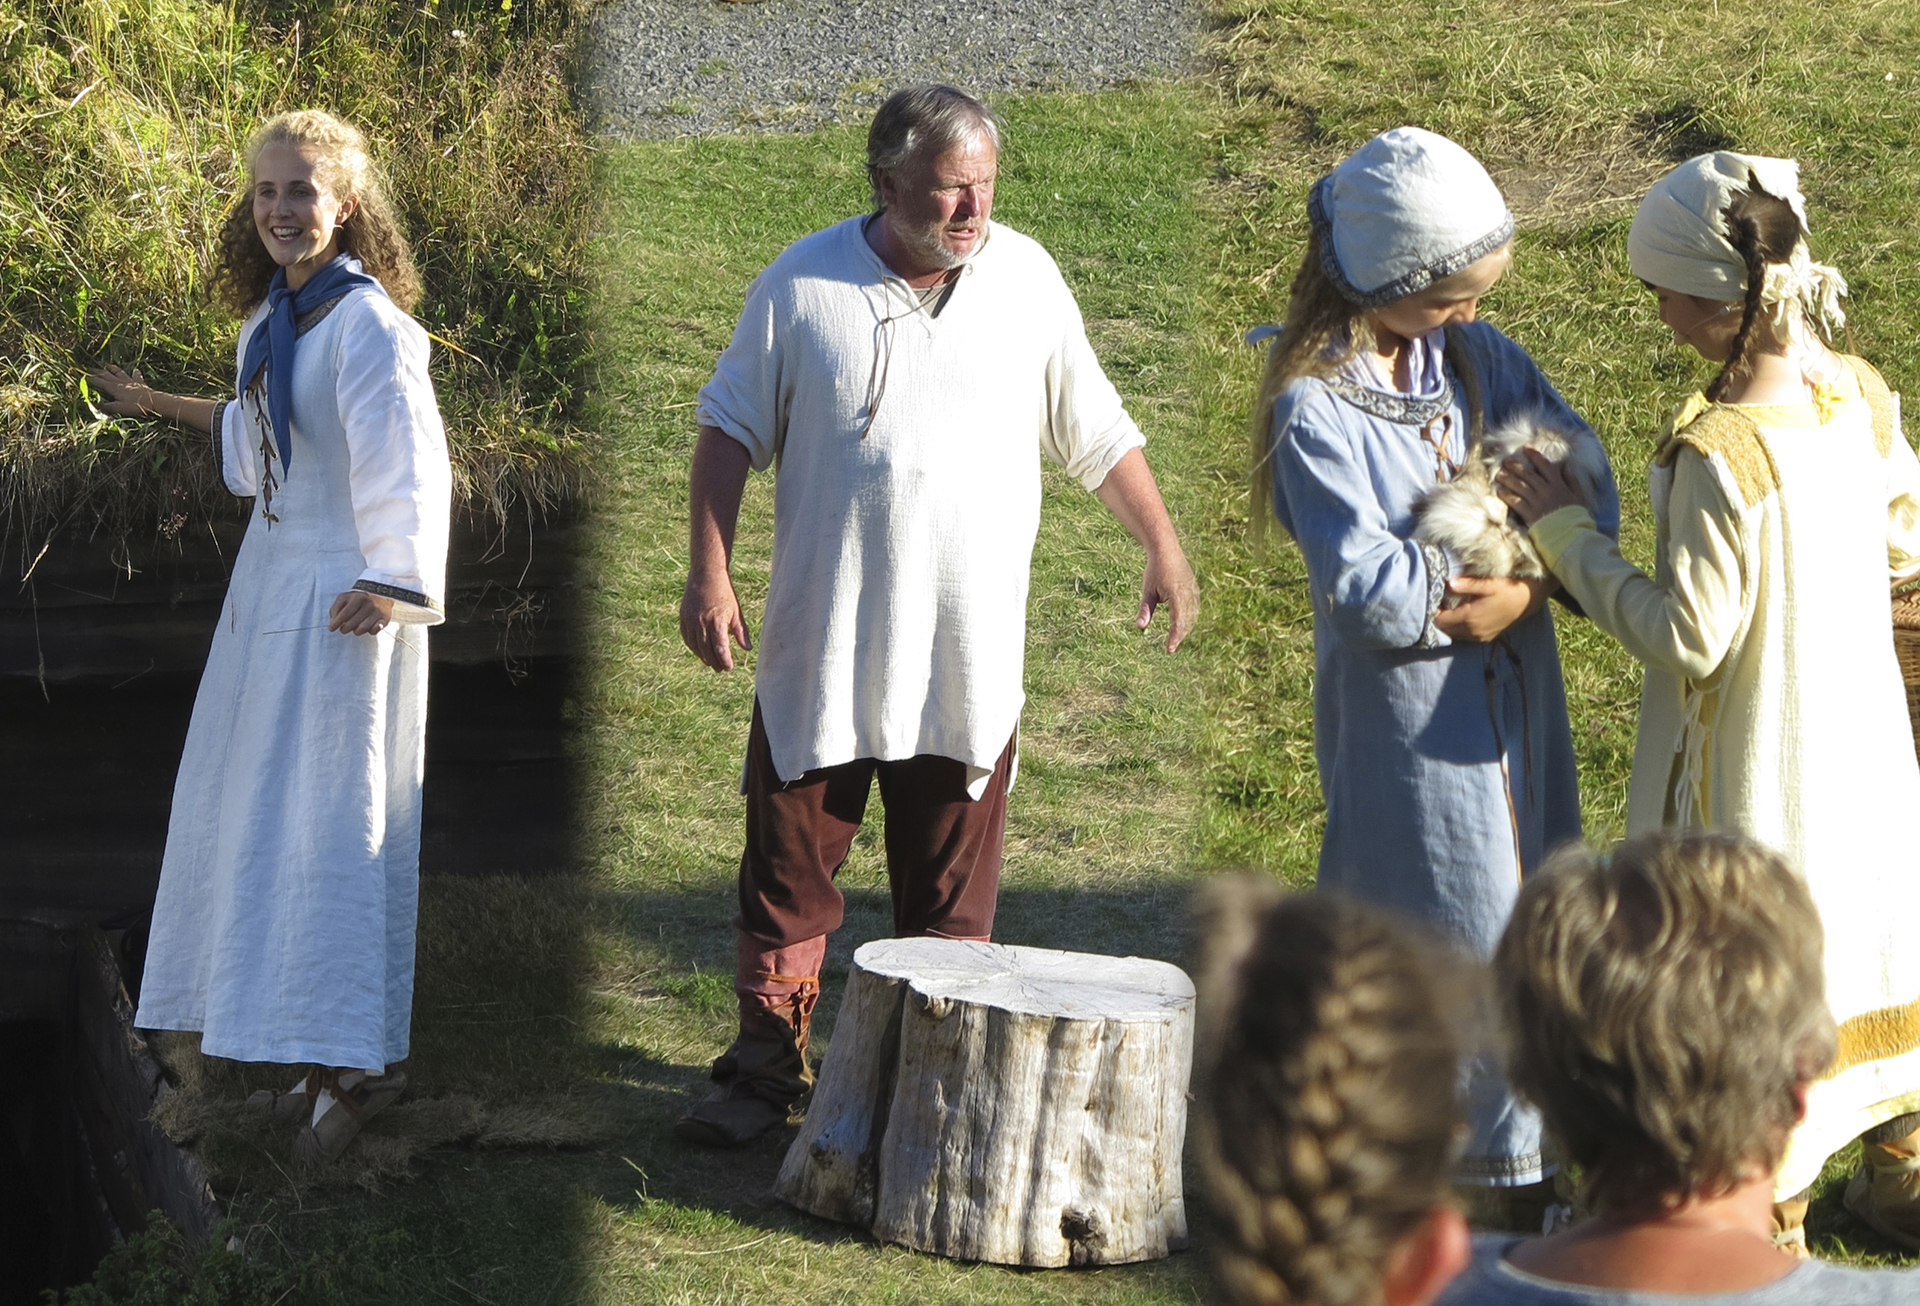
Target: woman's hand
1533,485
359,613
128,394
1489,606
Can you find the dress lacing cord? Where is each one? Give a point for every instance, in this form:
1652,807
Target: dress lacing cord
268,454
1435,432
1690,787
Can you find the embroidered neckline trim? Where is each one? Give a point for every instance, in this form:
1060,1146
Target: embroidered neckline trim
1404,410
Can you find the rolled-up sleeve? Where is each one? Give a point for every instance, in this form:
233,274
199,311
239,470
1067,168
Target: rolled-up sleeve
232,446
1087,427
1684,627
1378,589
743,398
235,436
399,475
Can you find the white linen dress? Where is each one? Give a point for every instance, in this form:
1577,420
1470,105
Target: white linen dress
284,926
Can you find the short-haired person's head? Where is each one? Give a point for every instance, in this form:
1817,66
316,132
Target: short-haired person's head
923,122
341,164
1328,1119
1666,1008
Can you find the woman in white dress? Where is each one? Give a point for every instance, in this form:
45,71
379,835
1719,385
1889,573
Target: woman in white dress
284,926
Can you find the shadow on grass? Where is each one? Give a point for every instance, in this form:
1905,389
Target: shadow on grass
534,1116
470,1184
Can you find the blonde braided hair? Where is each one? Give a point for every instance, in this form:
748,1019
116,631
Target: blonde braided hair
1328,1122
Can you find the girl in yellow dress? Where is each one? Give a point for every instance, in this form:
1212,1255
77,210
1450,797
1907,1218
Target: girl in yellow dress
1786,498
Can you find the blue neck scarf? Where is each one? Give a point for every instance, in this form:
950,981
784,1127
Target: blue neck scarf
274,341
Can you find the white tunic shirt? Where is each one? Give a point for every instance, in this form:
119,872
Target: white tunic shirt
908,492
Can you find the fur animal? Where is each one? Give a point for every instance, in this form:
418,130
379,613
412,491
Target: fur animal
1466,518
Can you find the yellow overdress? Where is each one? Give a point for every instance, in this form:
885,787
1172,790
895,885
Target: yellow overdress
1773,703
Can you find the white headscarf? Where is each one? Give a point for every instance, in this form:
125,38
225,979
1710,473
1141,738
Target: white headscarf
1403,211
1679,242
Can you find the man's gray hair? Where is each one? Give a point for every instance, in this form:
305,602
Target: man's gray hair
924,120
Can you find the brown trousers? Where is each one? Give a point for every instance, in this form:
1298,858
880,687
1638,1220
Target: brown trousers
943,856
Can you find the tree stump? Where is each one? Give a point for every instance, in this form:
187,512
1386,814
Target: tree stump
991,1103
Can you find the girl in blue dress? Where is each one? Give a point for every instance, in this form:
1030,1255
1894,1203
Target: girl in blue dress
1441,733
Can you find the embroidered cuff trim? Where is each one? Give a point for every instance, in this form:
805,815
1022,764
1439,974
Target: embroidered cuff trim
220,437
1437,570
399,595
1499,1167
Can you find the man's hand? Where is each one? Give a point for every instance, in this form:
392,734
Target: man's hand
1169,580
710,620
357,612
1129,492
1490,606
709,609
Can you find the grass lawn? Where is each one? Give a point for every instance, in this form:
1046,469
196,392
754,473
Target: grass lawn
1101,839
579,1013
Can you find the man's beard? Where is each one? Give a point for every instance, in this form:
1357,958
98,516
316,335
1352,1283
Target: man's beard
924,243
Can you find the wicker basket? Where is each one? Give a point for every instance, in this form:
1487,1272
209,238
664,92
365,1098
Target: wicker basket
1906,645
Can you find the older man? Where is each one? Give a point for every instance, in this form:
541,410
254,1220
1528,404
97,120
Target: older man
905,369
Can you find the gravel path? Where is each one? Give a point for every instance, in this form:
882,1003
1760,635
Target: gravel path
699,67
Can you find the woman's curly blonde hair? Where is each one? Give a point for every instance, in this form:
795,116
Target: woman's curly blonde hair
1329,1120
371,233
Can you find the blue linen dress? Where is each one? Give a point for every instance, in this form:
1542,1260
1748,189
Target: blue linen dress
1447,769
284,924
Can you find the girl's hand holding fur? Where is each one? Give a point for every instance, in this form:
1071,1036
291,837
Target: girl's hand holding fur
1490,604
1533,486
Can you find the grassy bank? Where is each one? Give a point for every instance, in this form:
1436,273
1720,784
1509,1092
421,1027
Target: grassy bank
122,127
1576,107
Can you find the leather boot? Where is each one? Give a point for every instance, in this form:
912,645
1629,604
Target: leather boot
760,1079
1886,1192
